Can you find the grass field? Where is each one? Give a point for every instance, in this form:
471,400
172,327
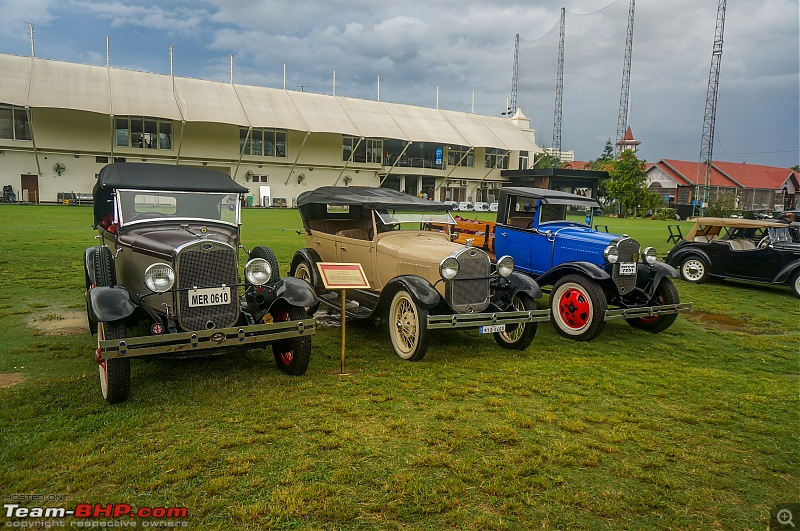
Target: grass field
694,428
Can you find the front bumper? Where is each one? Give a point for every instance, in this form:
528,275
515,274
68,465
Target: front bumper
469,320
647,311
205,340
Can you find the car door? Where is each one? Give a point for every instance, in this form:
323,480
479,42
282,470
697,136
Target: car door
516,242
756,264
356,251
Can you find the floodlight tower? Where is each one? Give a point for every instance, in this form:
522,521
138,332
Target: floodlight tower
622,122
707,143
559,89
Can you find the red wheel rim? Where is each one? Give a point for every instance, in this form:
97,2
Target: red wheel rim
574,308
284,357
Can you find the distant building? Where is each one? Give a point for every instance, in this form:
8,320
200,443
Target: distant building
756,187
60,123
563,156
578,165
628,142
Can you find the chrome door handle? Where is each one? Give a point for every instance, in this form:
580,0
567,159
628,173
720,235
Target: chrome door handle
503,234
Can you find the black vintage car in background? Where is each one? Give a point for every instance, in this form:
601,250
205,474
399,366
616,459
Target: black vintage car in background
765,251
164,279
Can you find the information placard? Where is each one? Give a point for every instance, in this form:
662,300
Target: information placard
342,276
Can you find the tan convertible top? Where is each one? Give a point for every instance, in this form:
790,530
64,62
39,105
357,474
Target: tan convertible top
712,226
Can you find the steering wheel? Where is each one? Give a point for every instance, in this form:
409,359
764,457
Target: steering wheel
765,241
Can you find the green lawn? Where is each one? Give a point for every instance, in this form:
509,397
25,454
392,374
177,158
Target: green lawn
694,428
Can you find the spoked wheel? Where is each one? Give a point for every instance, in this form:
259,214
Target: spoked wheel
408,327
294,354
694,269
115,373
518,336
578,308
666,293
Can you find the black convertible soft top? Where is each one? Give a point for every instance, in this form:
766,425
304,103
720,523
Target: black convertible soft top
371,198
158,177
550,197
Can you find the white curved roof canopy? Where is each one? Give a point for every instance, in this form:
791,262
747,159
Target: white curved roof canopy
35,82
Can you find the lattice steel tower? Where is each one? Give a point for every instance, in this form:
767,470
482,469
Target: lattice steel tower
559,88
512,106
622,121
707,143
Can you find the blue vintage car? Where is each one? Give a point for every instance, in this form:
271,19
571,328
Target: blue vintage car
549,234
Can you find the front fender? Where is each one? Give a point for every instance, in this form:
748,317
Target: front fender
786,273
521,283
676,257
295,291
420,290
588,269
648,277
506,288
311,257
108,303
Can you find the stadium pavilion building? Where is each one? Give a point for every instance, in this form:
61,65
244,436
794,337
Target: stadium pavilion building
61,122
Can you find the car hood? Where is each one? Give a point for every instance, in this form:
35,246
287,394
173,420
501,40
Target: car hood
416,246
580,233
164,241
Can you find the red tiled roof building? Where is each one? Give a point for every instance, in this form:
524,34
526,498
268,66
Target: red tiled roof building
756,187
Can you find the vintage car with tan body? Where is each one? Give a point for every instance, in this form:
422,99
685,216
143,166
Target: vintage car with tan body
419,279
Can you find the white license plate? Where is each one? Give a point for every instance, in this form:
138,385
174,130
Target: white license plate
627,268
209,296
491,329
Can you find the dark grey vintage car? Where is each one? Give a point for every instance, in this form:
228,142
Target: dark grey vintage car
165,278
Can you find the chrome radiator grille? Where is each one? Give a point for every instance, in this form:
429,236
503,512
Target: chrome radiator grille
206,265
469,291
628,252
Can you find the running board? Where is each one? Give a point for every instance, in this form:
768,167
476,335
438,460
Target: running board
648,311
352,308
465,320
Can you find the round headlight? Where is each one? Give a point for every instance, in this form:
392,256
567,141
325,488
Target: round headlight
611,254
649,255
257,271
449,268
505,266
159,277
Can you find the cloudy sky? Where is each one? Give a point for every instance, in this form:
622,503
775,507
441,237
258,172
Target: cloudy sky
466,47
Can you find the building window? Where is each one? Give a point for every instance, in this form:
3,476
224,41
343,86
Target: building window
460,156
523,160
369,150
14,123
263,142
143,132
496,158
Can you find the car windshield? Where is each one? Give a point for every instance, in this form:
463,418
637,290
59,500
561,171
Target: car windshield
140,205
780,234
581,214
405,217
